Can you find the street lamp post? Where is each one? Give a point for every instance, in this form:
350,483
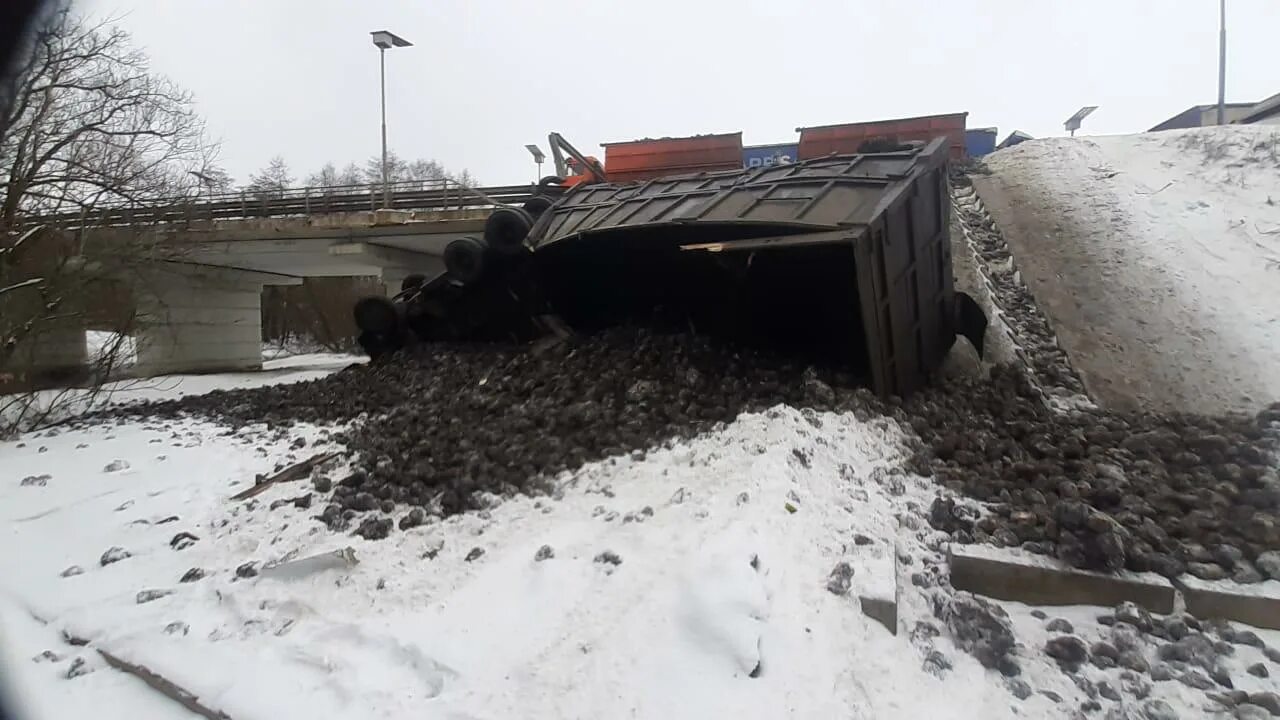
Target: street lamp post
538,157
1222,62
384,40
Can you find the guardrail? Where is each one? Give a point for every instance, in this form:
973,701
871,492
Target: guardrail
413,195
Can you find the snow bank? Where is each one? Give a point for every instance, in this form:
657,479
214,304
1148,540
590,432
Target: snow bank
1157,256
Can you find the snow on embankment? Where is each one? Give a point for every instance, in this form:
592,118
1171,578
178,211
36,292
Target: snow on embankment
1157,258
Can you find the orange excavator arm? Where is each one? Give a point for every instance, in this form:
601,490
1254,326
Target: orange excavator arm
577,168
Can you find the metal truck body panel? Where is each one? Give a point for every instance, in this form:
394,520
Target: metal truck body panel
636,160
823,140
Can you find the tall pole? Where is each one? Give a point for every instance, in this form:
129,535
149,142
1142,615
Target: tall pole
386,179
1222,62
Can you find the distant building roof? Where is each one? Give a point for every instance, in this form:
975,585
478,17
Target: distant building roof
1014,138
1182,119
1264,109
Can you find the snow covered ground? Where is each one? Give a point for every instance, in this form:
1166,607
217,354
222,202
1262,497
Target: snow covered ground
65,402
724,546
1156,256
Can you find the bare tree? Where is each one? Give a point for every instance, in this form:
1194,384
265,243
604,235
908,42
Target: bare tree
420,170
86,125
464,178
215,180
326,176
272,180
397,169
90,125
330,176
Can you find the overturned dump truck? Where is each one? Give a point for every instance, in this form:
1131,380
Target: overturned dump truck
843,260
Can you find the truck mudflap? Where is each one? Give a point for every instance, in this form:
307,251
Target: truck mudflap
842,260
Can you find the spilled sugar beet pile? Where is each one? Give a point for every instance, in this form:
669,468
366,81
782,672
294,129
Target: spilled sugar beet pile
446,425
1100,490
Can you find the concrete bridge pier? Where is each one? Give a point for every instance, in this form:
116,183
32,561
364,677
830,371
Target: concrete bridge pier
54,354
199,318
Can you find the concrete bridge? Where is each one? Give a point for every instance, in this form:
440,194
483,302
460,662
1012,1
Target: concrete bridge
199,309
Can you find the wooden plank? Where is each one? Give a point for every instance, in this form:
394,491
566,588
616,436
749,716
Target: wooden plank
296,471
168,688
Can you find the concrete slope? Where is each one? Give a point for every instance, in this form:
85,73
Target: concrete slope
1156,257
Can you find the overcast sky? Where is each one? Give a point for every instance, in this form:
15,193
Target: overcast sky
299,78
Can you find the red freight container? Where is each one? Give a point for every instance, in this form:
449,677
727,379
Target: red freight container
844,139
647,159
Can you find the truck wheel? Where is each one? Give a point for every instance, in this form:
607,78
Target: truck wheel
506,229
537,205
464,259
376,315
412,281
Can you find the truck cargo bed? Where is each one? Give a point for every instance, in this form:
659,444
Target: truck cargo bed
842,259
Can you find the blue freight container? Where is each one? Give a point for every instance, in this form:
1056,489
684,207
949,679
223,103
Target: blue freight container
980,141
755,156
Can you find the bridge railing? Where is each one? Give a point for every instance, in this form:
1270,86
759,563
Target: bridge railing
409,195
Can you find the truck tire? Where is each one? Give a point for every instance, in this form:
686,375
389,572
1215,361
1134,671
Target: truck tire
412,281
464,259
506,229
537,205
377,315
